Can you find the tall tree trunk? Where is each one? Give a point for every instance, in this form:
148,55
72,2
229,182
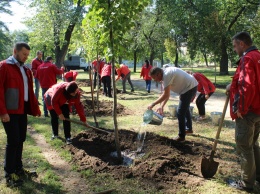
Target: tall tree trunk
152,57
135,60
176,58
224,58
205,58
162,59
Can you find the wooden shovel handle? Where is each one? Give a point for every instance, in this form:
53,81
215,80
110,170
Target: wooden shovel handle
84,124
220,123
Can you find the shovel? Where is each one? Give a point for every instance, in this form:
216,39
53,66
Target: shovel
208,166
88,126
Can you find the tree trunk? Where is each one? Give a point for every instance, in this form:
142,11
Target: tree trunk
152,57
224,58
205,58
176,58
162,59
120,60
135,60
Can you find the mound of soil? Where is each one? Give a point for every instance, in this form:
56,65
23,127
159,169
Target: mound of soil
105,108
166,164
83,83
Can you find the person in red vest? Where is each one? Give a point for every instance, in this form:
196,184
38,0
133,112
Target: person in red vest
106,79
124,73
58,99
17,100
70,76
97,66
206,89
145,73
36,62
46,74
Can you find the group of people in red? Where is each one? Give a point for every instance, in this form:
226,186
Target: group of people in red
103,73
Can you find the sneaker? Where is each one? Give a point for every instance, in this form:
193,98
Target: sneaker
54,137
68,141
13,180
46,116
239,184
27,173
201,118
178,138
132,90
189,132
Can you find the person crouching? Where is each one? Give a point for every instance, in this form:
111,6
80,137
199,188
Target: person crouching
58,100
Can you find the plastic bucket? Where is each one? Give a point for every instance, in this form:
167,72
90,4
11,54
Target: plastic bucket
215,117
153,118
173,110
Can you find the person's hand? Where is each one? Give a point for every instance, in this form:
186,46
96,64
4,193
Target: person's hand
5,118
206,96
239,115
61,117
150,107
160,110
228,89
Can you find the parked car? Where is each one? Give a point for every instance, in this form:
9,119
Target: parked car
76,62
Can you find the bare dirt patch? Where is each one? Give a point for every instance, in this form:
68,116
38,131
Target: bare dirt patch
105,108
166,165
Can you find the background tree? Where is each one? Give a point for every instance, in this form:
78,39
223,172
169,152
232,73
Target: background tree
53,25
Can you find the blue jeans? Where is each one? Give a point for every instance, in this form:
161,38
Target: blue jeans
183,112
43,103
37,88
148,85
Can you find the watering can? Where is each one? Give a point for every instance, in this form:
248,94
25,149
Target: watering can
153,118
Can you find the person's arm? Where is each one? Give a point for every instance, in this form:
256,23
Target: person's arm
162,99
118,74
80,109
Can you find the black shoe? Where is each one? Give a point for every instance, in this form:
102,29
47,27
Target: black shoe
46,116
132,90
123,92
54,137
27,173
239,184
13,180
189,132
178,138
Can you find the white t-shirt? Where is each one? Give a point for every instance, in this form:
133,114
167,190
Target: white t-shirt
179,81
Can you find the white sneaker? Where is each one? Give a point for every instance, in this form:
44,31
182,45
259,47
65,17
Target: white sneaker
68,141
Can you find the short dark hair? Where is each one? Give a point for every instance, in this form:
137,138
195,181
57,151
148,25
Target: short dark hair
38,52
244,37
155,71
48,58
19,45
71,87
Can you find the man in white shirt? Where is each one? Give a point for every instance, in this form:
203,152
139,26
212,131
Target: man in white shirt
180,82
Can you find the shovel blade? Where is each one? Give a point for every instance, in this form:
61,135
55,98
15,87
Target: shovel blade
208,167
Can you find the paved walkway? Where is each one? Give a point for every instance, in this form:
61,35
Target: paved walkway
214,104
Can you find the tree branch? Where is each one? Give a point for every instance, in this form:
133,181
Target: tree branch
236,17
254,3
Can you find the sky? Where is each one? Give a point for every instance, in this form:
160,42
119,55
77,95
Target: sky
13,22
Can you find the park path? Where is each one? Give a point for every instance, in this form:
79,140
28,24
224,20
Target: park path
71,180
214,104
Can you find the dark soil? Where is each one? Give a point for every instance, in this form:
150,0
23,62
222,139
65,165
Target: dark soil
105,108
166,165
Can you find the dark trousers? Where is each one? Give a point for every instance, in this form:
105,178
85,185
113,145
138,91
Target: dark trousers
148,85
200,102
107,85
16,134
128,78
43,103
95,80
55,121
183,112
